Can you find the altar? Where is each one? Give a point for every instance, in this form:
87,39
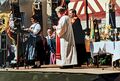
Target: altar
106,47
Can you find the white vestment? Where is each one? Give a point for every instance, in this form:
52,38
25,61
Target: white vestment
67,44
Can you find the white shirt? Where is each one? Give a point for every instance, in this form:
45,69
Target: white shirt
36,28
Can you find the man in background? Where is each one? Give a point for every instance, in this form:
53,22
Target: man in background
79,36
66,56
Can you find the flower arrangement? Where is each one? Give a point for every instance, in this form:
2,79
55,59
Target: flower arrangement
105,32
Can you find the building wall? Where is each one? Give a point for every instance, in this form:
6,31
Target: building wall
45,17
26,7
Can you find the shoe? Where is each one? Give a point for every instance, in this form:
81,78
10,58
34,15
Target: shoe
35,66
77,66
66,67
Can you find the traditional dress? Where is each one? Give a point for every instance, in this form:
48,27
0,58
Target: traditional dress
65,44
30,47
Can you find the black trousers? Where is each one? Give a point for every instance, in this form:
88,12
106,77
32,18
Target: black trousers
81,54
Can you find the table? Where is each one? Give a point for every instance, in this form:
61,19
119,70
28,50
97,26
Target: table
106,47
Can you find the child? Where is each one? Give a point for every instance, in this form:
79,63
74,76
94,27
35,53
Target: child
51,45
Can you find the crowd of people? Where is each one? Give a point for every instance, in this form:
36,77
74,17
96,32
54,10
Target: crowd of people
64,44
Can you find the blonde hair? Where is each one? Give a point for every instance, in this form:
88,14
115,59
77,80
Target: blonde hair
60,9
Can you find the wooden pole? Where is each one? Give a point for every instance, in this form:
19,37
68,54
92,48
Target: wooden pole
87,15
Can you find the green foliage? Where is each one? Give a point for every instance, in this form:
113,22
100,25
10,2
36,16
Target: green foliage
105,60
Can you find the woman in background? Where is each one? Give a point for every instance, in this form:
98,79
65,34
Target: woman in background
33,30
